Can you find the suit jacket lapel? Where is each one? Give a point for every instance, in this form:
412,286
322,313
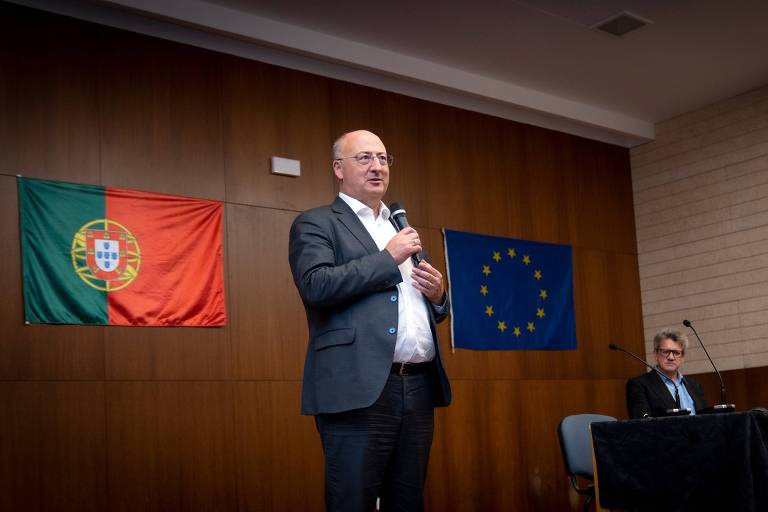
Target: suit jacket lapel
694,390
353,223
662,391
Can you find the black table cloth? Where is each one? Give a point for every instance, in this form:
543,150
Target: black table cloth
705,462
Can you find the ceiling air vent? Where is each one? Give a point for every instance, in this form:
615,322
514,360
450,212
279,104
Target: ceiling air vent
622,23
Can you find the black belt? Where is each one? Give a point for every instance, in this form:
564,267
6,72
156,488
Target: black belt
411,368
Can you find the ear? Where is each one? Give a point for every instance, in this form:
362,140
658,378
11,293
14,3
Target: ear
337,170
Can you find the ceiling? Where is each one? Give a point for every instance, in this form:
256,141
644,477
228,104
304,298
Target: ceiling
537,61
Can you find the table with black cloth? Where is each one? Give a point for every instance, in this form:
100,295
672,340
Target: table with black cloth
704,462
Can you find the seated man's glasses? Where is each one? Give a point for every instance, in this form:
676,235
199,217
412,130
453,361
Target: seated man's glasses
366,158
677,354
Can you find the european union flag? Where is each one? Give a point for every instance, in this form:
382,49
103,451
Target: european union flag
509,294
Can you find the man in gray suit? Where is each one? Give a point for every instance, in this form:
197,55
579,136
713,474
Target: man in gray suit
372,374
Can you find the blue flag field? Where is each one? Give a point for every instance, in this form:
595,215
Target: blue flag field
509,294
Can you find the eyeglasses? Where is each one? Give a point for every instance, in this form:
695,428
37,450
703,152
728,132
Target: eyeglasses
366,158
666,352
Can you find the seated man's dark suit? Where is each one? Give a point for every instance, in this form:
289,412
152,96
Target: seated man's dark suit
647,395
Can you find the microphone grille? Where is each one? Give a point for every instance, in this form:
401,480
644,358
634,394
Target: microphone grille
395,206
612,346
686,323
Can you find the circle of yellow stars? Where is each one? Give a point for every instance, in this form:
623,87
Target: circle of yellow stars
501,325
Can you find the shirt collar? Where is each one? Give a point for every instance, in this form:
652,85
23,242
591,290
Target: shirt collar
361,209
680,377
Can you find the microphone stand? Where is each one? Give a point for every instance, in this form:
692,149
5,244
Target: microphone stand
722,406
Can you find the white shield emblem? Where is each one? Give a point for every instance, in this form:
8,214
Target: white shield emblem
107,254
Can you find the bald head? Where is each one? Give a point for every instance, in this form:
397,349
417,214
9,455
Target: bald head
365,182
338,148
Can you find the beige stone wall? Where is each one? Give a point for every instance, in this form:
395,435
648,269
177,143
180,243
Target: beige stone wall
701,211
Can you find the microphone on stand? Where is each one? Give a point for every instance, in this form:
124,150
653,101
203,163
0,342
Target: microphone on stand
398,219
614,346
667,412
722,406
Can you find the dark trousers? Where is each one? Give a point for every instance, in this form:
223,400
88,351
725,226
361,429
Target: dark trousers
380,451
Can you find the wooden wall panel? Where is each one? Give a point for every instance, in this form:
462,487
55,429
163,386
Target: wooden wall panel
603,203
607,302
469,176
170,446
48,100
546,185
158,353
271,111
37,352
745,388
280,458
160,111
542,406
475,454
209,418
267,320
52,446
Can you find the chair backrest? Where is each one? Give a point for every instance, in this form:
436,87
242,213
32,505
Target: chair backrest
576,443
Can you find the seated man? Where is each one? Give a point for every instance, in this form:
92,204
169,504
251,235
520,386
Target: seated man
666,388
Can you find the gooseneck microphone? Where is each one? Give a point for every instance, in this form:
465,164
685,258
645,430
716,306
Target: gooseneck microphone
398,219
722,405
614,346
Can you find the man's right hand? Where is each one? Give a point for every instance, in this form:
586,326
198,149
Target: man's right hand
404,244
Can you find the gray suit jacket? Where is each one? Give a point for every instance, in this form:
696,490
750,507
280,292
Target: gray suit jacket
349,290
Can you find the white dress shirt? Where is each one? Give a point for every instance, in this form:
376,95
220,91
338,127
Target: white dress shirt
414,342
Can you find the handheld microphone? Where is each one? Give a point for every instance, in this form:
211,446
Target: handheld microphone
722,406
398,219
665,412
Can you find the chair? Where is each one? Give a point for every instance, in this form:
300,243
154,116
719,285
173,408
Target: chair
576,443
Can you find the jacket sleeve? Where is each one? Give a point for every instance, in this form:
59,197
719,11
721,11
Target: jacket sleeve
325,278
697,393
441,310
637,400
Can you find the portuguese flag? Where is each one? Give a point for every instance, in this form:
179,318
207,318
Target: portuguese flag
110,256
